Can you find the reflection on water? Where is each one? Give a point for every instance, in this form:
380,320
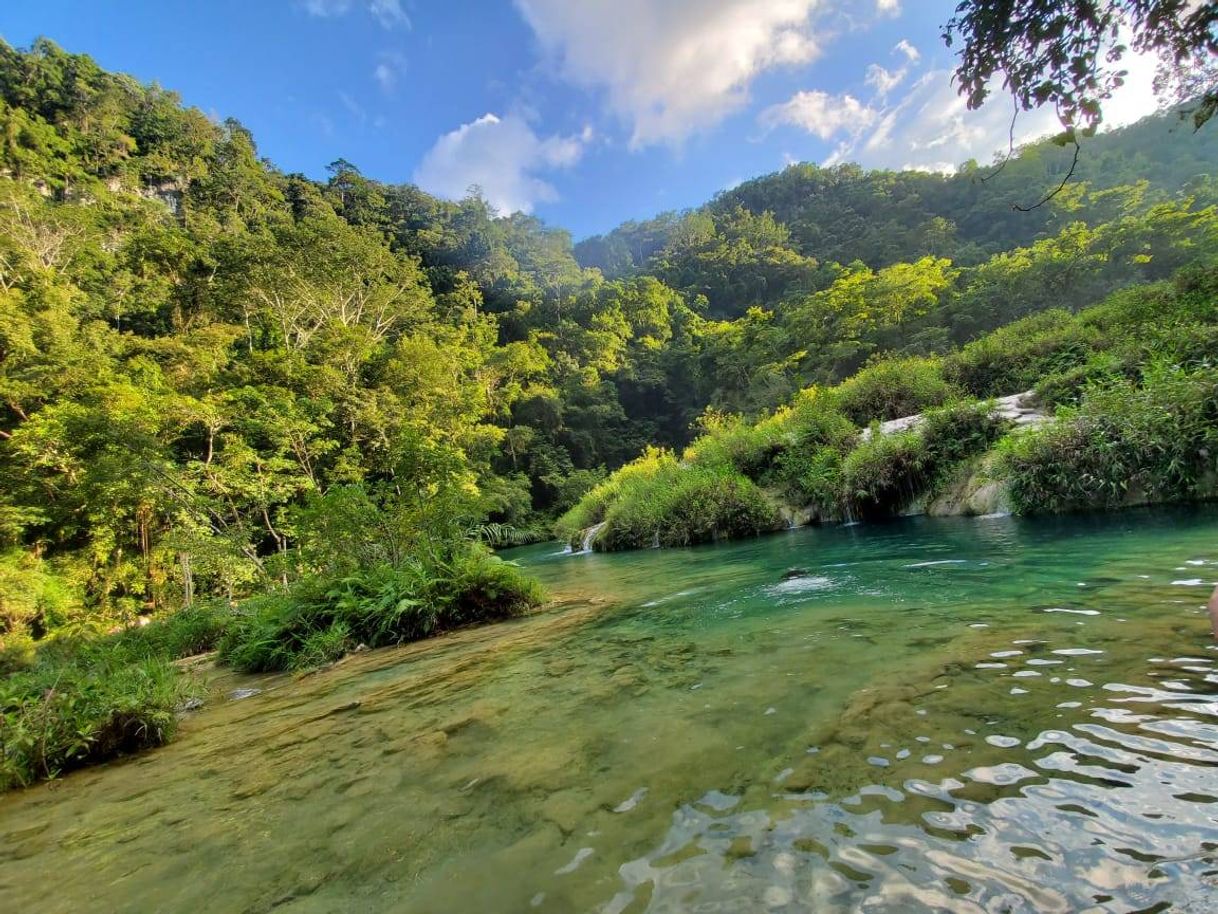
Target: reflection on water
963,715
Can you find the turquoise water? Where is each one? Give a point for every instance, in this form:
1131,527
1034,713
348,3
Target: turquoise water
987,714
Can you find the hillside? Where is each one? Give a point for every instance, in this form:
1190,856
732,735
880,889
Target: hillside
1111,407
226,386
843,213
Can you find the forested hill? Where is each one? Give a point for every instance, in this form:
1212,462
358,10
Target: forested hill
203,358
844,213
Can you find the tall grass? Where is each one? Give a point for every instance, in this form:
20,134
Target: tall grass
320,618
1125,442
91,704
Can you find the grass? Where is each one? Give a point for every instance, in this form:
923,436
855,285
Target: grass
320,618
86,705
89,697
1152,441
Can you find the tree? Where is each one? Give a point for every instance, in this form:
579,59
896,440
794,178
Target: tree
1067,53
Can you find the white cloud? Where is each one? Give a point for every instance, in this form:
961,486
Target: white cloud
820,113
388,13
883,80
930,127
888,7
502,156
324,8
388,69
672,67
904,47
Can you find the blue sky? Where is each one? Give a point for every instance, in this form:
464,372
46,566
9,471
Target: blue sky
586,112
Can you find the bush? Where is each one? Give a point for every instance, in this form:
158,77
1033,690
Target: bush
592,508
681,506
35,596
808,471
892,389
960,431
887,473
83,706
1011,359
1066,388
730,441
1124,442
321,618
184,633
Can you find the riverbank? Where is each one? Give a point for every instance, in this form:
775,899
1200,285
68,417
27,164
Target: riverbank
80,698
709,733
1120,408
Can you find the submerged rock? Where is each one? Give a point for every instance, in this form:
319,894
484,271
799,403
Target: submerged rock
792,573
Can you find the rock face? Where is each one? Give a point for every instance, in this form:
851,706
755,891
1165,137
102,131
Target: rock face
168,191
1017,408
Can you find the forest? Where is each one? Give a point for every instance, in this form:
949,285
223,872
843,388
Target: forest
285,417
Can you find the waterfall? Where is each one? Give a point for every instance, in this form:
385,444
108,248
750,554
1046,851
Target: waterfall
590,536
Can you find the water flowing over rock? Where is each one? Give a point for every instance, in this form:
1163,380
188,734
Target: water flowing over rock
590,536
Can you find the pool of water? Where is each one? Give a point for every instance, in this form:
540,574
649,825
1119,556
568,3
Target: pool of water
988,714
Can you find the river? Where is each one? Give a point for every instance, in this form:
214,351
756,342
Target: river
993,714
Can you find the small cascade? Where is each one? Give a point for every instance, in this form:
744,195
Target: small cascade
590,536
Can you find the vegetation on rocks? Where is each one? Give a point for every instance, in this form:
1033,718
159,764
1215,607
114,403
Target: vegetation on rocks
1131,381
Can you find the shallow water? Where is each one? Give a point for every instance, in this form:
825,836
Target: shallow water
964,715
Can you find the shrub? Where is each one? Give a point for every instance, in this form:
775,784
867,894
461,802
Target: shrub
184,633
592,508
1066,388
1012,358
961,430
35,596
892,389
321,618
730,441
808,471
681,506
885,473
1154,442
84,706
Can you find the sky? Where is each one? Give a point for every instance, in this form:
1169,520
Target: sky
587,113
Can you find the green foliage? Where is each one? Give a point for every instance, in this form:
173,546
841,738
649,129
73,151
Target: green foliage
885,473
1125,443
731,442
86,707
682,506
184,633
35,597
807,471
223,385
320,618
894,388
